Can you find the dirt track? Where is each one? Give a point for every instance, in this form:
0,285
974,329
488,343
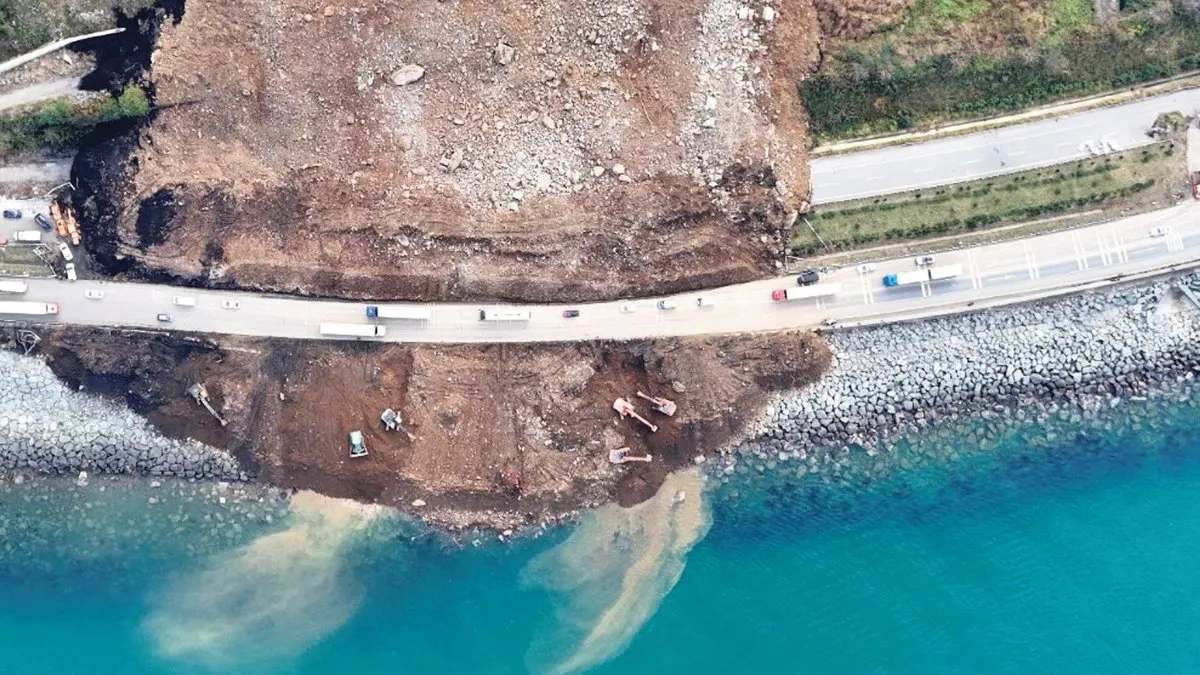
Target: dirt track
505,435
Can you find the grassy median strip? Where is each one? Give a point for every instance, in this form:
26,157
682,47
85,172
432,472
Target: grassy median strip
1119,183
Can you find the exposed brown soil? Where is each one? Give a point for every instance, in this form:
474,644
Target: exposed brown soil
505,435
273,164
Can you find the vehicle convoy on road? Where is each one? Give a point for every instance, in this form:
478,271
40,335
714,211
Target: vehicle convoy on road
353,329
814,291
29,308
503,315
13,286
922,275
399,312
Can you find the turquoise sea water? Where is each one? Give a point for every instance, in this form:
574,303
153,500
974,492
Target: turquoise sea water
1065,545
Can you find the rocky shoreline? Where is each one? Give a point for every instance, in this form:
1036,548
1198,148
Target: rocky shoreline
47,428
900,378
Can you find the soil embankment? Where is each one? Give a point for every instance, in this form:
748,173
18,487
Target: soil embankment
505,435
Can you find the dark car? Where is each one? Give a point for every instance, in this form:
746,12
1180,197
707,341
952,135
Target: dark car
43,222
12,213
808,278
570,313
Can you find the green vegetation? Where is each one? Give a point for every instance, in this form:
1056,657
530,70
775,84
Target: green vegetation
1121,181
26,24
954,59
59,125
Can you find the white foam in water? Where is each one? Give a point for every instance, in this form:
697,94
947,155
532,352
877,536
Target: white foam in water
268,600
612,573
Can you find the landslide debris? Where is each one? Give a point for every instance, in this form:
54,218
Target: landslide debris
505,435
565,150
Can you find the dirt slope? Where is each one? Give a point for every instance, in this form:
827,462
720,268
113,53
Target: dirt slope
505,435
567,149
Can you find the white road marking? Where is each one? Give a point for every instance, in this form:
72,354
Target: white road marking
868,292
974,161
1119,245
1031,261
973,270
1105,256
1016,153
1081,254
1174,240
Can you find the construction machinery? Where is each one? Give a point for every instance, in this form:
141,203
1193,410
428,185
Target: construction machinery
64,223
60,223
621,455
393,422
358,448
663,405
626,409
200,393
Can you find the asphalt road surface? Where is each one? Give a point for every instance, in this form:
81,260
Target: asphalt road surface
991,153
1009,271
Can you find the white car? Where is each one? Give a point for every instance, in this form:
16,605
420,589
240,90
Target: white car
866,268
667,304
71,276
93,294
1160,231
66,251
231,304
628,308
923,260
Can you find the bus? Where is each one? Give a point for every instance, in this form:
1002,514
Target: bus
32,308
503,315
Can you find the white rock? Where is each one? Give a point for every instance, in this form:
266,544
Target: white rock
709,123
743,12
768,13
418,502
597,171
407,74
618,169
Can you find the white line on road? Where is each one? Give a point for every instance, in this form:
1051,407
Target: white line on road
1081,254
1119,245
1105,256
1031,261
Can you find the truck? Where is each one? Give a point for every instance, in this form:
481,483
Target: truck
801,292
13,286
29,308
503,315
353,329
28,236
399,312
921,276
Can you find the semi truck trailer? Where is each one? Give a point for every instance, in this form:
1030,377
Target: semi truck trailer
13,286
799,293
920,276
28,308
399,312
353,329
503,315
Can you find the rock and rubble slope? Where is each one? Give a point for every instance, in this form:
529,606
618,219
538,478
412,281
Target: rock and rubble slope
567,149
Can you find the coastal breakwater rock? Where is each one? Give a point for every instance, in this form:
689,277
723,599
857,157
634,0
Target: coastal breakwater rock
46,427
901,377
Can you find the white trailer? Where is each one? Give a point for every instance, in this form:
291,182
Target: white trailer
906,278
802,292
353,329
28,236
947,272
28,308
13,286
503,315
408,313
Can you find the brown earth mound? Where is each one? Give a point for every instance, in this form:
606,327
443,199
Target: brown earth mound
561,150
504,435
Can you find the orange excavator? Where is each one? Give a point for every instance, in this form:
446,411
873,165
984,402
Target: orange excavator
60,223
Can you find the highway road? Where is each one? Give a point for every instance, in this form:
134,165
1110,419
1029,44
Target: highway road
991,153
1000,272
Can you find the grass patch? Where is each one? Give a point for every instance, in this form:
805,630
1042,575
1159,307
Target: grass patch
19,260
27,24
59,125
929,68
1134,179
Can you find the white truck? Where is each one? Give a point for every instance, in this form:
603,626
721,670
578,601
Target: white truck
13,286
921,276
801,292
353,329
28,236
399,312
29,308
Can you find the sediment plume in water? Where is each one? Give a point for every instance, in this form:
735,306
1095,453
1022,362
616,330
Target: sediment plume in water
269,599
612,573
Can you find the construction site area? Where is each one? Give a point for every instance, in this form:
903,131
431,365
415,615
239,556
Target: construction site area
568,150
497,436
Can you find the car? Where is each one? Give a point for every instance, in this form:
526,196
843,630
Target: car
65,251
70,269
12,213
866,268
570,313
3,242
93,294
43,222
667,304
1160,231
231,304
705,302
164,318
357,447
808,277
923,260
628,308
